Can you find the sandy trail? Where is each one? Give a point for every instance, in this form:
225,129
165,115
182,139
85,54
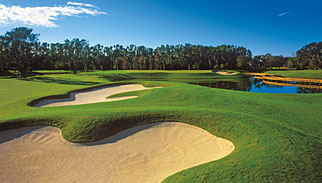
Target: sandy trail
93,96
145,154
225,73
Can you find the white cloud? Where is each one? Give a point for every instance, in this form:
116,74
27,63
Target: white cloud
81,4
284,13
44,15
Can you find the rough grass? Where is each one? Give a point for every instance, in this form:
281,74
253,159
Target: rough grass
277,136
310,74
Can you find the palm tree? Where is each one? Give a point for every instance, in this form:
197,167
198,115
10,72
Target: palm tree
67,54
108,57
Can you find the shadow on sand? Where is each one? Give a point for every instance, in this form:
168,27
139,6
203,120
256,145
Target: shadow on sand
16,133
19,132
122,134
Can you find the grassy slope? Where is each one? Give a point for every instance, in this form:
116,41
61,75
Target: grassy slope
311,74
277,136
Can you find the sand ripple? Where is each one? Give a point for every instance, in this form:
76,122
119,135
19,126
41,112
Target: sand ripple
147,153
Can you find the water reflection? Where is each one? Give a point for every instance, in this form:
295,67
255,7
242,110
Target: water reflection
257,85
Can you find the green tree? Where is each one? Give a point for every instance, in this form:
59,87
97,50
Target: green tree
310,56
290,63
19,47
242,62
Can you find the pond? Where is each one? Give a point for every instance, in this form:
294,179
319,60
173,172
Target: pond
252,84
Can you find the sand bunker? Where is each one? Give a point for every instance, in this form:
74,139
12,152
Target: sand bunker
226,73
93,96
147,153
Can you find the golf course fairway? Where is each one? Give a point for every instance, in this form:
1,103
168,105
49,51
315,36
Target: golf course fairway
277,137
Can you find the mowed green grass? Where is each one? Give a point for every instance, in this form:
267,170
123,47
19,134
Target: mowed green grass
277,136
310,74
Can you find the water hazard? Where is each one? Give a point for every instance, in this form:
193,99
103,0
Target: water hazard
255,84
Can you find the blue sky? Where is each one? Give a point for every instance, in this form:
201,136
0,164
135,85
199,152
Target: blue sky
279,27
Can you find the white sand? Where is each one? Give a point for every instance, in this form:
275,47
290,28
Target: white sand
144,154
93,96
226,73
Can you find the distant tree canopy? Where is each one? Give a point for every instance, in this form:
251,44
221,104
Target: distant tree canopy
310,56
18,49
21,50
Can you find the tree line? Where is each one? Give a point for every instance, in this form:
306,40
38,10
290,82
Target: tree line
21,50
